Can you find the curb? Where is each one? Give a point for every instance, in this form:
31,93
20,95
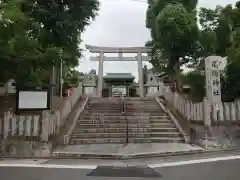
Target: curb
122,157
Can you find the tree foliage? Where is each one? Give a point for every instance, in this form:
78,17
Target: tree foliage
173,26
36,34
196,81
222,37
231,82
176,35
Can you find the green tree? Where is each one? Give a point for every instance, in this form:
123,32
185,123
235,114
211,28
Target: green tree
173,26
62,23
231,82
19,52
222,37
196,81
35,35
216,31
73,77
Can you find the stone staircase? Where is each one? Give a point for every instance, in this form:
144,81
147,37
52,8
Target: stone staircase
161,127
103,121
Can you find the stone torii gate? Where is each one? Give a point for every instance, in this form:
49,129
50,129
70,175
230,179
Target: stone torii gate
120,50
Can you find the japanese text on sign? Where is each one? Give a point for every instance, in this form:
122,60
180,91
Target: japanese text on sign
215,73
215,64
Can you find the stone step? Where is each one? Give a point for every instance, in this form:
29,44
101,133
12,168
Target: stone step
163,125
123,121
132,124
101,130
102,112
117,117
159,117
121,116
169,129
147,106
97,141
165,134
106,112
119,113
136,113
108,103
160,120
140,101
115,104
89,126
124,118
143,122
122,129
104,106
156,114
98,135
100,105
123,140
114,116
157,140
152,110
103,116
103,109
114,101
123,134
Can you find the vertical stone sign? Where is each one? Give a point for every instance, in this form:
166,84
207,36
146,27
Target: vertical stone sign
212,73
213,86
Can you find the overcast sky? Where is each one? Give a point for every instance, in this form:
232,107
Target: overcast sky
122,23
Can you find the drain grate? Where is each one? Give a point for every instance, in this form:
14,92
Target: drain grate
129,171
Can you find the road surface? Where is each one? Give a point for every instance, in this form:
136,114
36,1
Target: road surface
217,168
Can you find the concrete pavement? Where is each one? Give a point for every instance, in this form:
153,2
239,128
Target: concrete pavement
222,167
129,150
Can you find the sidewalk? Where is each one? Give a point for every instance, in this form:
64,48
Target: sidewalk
219,137
129,150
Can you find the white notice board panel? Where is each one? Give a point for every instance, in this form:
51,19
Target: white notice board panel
33,100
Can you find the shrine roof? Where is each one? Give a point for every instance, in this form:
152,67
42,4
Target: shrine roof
119,76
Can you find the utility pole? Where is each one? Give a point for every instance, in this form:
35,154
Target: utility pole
52,83
61,79
61,75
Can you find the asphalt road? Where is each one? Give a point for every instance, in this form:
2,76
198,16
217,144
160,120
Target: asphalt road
219,170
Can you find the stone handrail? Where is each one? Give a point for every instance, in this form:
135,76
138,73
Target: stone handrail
74,121
184,134
69,104
53,123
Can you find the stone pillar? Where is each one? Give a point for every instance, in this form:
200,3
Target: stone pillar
100,75
140,74
127,90
207,113
110,91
